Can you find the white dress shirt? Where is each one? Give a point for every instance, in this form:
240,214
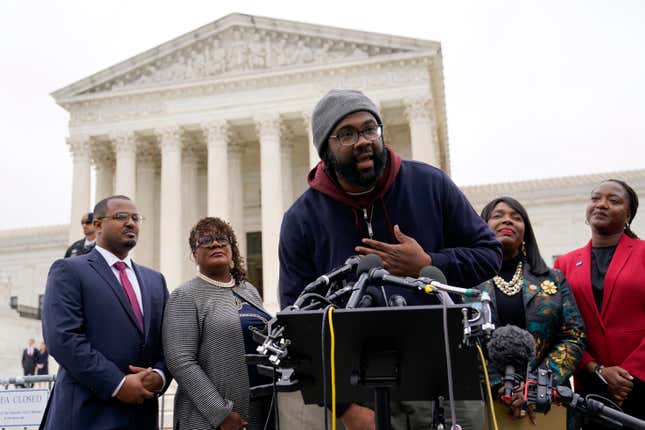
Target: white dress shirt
110,259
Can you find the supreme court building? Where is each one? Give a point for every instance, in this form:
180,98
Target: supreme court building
217,122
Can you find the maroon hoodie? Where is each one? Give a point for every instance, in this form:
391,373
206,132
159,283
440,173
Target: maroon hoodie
321,180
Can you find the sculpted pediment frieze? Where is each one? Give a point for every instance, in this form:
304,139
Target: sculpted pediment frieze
240,50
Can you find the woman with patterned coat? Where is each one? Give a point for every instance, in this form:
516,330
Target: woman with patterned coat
528,294
206,333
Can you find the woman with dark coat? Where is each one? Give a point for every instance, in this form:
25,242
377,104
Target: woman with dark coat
207,332
529,295
607,276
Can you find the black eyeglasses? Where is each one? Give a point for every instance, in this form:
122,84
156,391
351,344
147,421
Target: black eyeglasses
349,136
125,216
86,222
208,240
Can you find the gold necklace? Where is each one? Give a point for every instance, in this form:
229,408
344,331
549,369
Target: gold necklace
514,285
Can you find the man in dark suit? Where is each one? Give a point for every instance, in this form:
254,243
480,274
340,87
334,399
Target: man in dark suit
102,317
85,245
29,356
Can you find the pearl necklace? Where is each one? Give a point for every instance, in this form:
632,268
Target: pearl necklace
514,285
229,284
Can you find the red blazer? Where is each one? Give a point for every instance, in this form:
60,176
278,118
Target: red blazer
616,334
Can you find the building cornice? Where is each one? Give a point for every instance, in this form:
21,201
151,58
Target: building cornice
557,189
34,238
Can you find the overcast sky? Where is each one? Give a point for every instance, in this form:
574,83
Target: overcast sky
533,89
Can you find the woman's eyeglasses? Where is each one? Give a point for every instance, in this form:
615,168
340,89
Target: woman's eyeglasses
208,240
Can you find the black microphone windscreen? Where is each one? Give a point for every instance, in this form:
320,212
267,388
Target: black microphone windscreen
368,262
511,346
433,273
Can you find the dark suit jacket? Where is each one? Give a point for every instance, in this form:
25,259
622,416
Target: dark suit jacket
553,320
78,248
616,334
91,331
29,362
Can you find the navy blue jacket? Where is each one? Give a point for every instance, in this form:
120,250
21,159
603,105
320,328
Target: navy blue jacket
90,329
319,233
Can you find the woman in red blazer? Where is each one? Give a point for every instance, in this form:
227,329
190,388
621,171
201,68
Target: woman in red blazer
607,277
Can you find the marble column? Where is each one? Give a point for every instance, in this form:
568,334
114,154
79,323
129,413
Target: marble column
286,158
236,194
146,177
104,164
190,208
202,187
80,150
268,128
217,135
170,230
126,165
314,158
424,140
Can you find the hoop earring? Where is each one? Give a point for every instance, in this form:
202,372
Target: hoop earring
627,226
524,249
587,221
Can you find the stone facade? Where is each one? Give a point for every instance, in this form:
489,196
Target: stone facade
217,122
25,257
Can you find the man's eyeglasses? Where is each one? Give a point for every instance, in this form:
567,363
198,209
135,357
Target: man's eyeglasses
349,136
86,222
125,216
208,240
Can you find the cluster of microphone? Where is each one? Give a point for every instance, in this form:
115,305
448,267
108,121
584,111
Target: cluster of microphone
511,351
370,275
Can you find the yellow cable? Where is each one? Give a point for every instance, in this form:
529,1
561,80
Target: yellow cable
490,395
332,362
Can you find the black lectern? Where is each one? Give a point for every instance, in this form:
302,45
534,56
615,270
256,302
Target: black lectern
382,354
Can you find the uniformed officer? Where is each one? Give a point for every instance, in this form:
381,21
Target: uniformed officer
86,244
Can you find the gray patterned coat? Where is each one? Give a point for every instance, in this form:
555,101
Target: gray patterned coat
204,350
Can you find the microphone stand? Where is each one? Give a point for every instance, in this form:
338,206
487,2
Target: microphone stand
596,409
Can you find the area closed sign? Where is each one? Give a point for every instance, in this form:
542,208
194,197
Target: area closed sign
22,408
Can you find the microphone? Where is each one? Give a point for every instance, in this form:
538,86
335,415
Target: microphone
373,297
380,276
370,261
510,349
328,278
435,279
397,300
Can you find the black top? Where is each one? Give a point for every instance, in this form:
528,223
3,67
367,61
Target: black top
43,358
510,309
600,259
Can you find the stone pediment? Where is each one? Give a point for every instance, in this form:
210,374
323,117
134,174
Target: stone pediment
240,45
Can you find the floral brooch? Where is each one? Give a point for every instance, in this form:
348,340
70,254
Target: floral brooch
549,287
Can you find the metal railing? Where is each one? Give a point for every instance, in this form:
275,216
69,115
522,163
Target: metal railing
27,381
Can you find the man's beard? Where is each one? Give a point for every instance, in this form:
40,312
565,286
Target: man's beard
351,173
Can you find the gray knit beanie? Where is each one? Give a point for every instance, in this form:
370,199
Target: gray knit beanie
335,106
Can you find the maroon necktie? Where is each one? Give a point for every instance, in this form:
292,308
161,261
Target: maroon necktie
127,286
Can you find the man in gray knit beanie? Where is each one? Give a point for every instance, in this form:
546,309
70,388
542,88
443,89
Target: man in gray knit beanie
356,155
336,105
364,199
